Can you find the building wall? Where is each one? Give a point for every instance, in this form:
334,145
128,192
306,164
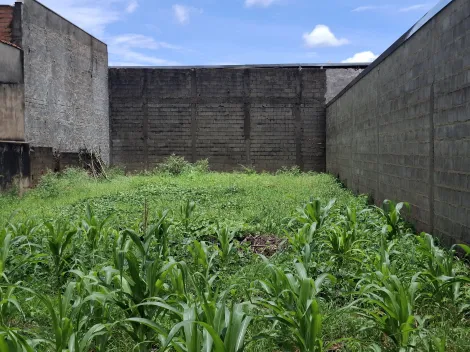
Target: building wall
11,93
402,130
66,83
6,18
265,117
14,164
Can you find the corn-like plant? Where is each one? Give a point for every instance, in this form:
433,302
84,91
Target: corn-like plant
93,227
95,300
12,340
153,242
143,277
24,254
225,242
68,326
391,212
186,213
203,256
465,248
313,212
293,302
342,243
303,236
204,325
392,308
59,239
5,241
439,274
9,304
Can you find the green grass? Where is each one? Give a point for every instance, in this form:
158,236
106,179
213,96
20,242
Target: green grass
236,199
131,259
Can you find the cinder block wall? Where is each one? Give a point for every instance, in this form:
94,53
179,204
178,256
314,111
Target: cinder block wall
66,82
402,131
264,117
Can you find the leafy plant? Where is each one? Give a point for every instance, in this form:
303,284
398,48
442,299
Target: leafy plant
67,324
59,240
342,243
313,212
392,308
187,212
293,303
93,227
303,236
391,212
440,273
225,242
173,165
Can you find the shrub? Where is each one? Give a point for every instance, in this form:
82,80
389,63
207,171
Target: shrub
177,165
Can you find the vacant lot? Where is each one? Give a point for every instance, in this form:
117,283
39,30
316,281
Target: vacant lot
221,262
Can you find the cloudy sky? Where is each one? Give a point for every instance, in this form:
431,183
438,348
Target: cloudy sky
213,32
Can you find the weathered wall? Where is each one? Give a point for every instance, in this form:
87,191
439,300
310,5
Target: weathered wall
402,131
11,64
11,93
265,117
66,83
14,163
6,17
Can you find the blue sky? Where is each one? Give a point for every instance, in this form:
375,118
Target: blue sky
218,32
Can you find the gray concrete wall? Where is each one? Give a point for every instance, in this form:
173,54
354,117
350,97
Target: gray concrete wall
11,64
265,117
66,83
11,94
402,131
338,79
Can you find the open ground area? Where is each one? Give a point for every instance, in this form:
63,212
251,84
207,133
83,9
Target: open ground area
187,260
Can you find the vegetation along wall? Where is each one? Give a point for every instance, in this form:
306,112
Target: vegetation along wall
264,117
401,130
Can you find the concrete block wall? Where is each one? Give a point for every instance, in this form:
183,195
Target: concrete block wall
264,117
402,130
66,82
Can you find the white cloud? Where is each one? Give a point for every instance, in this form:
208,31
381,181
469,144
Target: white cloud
133,5
368,8
322,36
183,13
415,8
126,57
94,17
125,50
262,3
365,56
140,41
90,15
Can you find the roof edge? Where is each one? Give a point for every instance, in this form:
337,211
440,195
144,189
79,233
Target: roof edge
397,44
10,44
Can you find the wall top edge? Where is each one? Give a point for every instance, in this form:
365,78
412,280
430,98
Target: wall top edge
62,17
325,66
405,37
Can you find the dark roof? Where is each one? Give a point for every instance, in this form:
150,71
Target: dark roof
10,44
425,19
